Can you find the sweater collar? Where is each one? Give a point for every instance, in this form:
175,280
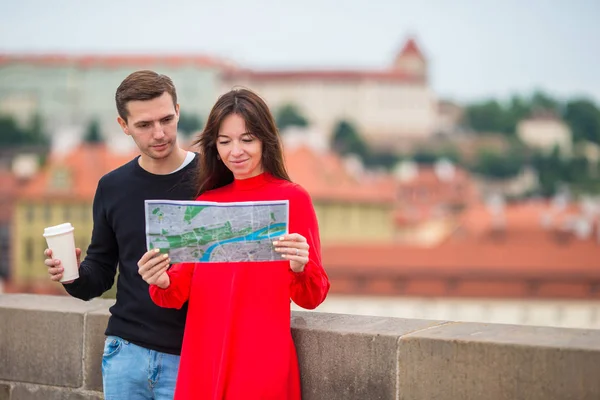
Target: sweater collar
252,183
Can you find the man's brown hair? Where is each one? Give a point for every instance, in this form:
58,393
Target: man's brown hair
143,85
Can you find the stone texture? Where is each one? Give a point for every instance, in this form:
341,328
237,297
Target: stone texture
499,362
34,392
349,357
93,346
41,339
52,345
5,391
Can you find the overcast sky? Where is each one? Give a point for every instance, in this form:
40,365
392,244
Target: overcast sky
476,48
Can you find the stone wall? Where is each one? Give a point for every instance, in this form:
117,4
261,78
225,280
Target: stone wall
51,347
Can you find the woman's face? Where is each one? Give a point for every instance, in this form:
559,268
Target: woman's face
239,149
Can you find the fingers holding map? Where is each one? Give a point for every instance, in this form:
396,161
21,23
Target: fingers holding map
201,231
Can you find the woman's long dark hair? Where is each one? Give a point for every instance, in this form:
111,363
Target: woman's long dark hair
260,123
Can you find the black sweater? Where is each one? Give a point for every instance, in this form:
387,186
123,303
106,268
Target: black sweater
118,238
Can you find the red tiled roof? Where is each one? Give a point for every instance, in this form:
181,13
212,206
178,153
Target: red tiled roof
84,167
322,175
411,48
325,177
390,76
519,217
524,255
522,248
112,61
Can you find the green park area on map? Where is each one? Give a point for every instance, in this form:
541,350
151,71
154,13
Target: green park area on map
216,232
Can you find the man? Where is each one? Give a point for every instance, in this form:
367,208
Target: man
141,352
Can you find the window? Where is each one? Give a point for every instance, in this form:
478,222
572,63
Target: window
28,250
4,250
39,254
85,212
61,179
47,212
29,212
67,212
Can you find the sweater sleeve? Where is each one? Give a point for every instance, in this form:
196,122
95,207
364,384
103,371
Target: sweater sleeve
178,291
97,271
309,287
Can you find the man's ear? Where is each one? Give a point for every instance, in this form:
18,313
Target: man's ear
123,124
177,111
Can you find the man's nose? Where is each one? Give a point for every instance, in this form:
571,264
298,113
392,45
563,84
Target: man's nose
158,132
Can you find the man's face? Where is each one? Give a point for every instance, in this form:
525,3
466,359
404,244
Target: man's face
153,125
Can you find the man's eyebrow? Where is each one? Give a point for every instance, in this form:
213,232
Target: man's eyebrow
147,122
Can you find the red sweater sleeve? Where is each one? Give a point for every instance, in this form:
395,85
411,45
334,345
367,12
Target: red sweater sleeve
178,291
309,287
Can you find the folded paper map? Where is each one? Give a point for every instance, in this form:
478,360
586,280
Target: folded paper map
201,231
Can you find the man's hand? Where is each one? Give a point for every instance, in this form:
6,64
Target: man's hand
153,268
55,268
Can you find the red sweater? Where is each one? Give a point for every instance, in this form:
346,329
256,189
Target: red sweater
237,342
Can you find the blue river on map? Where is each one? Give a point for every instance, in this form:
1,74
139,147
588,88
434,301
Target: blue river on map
257,235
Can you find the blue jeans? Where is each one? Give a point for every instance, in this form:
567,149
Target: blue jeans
131,372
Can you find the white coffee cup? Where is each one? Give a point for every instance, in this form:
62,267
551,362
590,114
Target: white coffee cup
61,241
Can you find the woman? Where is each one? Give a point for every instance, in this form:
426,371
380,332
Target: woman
237,342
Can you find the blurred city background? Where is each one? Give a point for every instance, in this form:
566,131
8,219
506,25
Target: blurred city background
451,149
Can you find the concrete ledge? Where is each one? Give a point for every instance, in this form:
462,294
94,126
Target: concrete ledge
349,356
25,391
485,361
51,348
41,339
5,390
93,346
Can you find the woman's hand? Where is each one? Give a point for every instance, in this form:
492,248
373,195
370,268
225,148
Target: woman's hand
153,268
293,247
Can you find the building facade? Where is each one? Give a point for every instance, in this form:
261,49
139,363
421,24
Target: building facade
68,92
385,105
61,192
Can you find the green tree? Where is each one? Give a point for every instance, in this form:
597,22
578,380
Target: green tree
494,116
551,169
385,159
289,115
487,116
425,156
583,117
518,108
542,101
496,165
36,131
189,124
347,140
92,134
12,135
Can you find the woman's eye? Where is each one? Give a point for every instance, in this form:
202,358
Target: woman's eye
223,143
247,140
